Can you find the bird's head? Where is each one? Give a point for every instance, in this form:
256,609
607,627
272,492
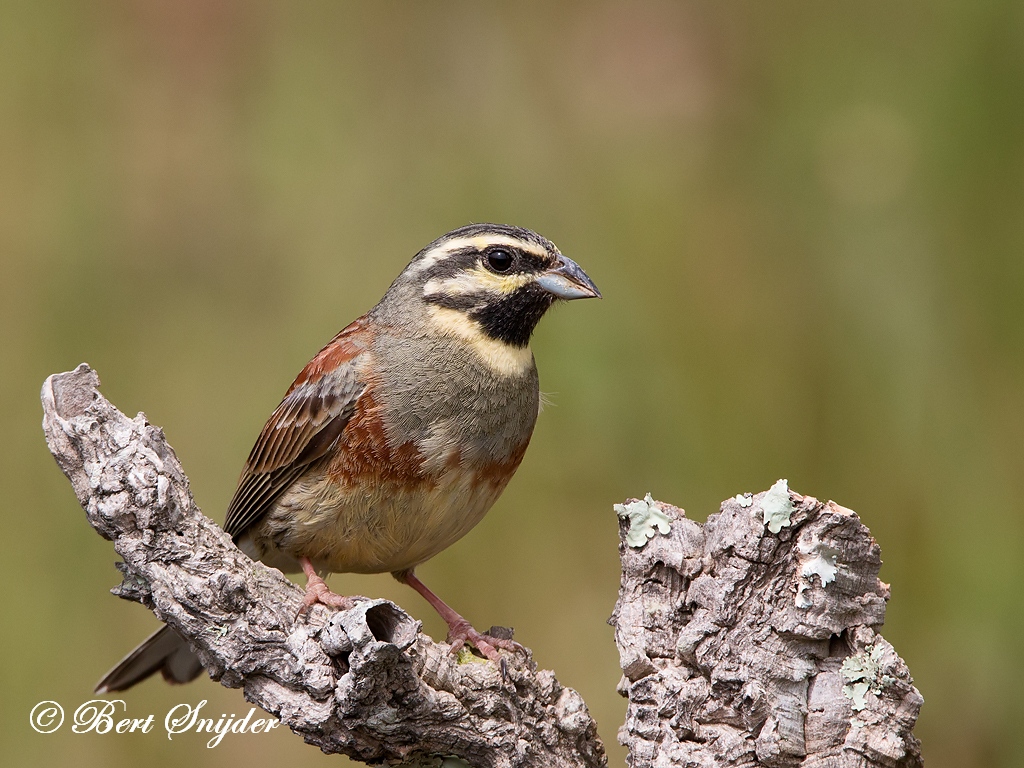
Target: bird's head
490,279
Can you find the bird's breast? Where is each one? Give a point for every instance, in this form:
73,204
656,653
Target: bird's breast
439,396
432,444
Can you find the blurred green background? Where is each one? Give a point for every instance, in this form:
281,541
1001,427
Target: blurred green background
807,220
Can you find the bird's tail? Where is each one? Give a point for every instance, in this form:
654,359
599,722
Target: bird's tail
163,651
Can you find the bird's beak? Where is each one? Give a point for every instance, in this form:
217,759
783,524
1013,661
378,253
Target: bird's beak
567,281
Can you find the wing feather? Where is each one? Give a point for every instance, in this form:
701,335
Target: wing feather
303,428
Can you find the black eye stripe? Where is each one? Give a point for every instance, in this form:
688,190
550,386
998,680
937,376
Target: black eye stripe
465,259
452,264
531,262
523,261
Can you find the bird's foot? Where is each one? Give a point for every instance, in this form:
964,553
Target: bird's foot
461,632
317,591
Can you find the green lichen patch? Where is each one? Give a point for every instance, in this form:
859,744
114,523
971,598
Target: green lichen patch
863,673
777,507
465,655
645,520
821,562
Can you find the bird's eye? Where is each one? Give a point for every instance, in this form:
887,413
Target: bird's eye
499,261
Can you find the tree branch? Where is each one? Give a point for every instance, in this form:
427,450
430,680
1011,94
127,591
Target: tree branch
752,640
749,641
364,682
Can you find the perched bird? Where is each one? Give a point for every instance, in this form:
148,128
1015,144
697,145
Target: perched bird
395,440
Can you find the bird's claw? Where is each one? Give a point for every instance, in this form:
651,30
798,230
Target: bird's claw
317,591
462,633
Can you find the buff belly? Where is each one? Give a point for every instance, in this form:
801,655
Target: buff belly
355,528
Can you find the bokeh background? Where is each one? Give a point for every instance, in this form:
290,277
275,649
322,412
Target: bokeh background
807,220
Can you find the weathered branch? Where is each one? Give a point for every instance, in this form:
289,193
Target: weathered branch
748,641
364,682
752,640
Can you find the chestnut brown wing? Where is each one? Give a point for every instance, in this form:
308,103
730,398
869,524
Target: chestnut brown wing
303,428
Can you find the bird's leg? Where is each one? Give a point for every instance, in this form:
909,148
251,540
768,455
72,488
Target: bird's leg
318,592
460,631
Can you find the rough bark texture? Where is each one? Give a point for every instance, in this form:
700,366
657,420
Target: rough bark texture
741,646
748,641
364,682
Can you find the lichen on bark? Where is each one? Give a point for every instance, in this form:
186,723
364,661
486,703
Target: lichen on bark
735,639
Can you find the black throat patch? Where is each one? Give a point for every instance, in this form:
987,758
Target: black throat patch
512,318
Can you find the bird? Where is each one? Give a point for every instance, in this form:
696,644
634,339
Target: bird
400,434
